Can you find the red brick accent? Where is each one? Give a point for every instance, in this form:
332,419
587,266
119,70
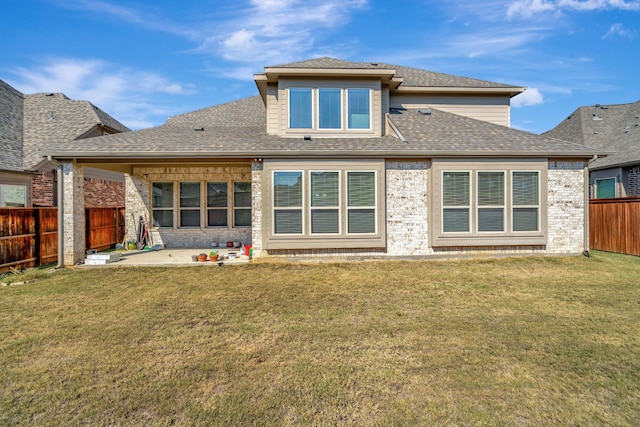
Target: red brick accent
99,193
43,190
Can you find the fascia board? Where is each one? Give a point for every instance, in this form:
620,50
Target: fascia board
511,91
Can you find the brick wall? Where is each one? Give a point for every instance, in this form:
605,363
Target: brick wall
103,193
407,210
566,207
43,190
634,181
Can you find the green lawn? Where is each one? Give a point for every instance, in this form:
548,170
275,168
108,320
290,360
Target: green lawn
517,341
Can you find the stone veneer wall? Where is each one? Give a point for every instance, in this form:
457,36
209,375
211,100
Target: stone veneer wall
407,208
566,207
73,213
256,207
138,203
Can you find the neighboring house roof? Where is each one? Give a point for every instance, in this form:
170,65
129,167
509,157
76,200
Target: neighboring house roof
50,117
11,102
615,128
238,130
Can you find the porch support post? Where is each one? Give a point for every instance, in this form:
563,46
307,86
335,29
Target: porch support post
73,212
256,207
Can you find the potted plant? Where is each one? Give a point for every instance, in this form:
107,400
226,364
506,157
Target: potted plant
213,256
202,257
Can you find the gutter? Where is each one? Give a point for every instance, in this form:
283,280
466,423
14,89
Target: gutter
140,156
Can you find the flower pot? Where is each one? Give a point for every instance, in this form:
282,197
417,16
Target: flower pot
213,258
202,258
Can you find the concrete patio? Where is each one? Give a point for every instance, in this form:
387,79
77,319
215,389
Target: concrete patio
172,257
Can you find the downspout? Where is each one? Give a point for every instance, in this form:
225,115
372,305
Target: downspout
586,205
60,203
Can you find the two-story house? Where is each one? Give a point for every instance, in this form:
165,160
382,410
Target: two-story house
347,158
28,123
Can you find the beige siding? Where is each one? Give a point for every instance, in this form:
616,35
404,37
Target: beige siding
283,104
384,95
493,109
273,111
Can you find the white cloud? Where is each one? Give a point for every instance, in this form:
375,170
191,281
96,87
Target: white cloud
264,34
124,93
529,97
619,30
528,8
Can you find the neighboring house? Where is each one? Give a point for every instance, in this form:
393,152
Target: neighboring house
346,158
615,128
28,123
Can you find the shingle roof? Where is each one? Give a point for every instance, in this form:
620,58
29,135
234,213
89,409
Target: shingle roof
50,117
11,108
411,76
238,130
613,128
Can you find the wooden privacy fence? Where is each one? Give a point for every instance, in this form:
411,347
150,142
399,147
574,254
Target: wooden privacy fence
29,236
614,225
104,227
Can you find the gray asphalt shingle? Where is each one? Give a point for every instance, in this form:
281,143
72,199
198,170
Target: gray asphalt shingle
238,129
615,128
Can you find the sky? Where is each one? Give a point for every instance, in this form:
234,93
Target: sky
143,61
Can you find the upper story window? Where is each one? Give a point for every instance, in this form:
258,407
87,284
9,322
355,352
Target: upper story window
330,108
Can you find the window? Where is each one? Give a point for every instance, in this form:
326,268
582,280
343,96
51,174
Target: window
13,195
526,201
300,110
324,108
605,188
287,202
491,201
162,204
220,206
359,109
476,205
217,204
315,204
329,109
241,204
189,204
325,202
361,189
456,202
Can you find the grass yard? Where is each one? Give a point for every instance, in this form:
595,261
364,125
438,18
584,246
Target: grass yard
517,341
